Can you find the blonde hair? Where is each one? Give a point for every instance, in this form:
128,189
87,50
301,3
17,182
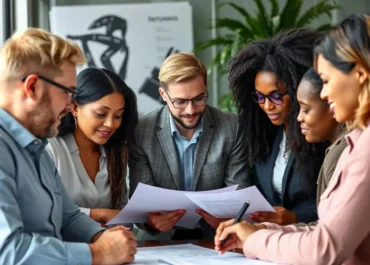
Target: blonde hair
36,49
181,67
344,47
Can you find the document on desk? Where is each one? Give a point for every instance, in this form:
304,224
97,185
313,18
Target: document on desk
189,254
148,199
228,204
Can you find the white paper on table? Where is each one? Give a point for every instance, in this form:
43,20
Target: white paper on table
176,253
148,199
228,204
189,254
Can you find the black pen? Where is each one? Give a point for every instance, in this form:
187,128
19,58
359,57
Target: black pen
237,219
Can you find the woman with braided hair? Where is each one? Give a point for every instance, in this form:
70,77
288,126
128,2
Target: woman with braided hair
264,78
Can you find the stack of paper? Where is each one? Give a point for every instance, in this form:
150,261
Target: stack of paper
221,203
188,254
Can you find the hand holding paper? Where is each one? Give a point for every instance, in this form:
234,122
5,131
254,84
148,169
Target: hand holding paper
164,221
149,199
222,203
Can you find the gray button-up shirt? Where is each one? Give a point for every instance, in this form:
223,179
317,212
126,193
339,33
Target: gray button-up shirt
36,213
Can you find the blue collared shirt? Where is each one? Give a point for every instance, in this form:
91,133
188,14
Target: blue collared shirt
186,150
38,221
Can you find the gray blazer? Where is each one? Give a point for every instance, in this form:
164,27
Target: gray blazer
220,155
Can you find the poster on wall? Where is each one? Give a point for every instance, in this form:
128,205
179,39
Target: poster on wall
130,39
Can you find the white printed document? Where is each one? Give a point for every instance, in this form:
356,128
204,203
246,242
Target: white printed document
221,203
189,254
228,204
148,199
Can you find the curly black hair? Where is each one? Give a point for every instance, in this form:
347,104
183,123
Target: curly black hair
288,55
92,85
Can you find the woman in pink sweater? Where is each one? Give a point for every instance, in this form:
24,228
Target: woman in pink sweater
342,235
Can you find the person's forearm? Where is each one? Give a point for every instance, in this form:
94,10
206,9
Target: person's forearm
102,215
22,249
95,214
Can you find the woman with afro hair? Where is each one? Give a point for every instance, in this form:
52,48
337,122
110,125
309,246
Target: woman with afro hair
264,78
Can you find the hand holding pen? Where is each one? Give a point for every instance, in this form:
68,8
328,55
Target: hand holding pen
233,233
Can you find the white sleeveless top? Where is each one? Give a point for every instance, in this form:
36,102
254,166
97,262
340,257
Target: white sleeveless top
280,165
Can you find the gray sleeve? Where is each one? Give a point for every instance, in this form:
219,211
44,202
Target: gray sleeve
76,226
237,169
31,248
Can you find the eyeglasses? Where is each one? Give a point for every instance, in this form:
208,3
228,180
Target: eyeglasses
276,98
70,91
182,103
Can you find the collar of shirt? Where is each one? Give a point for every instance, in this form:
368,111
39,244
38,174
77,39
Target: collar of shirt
340,139
197,134
72,145
353,136
20,134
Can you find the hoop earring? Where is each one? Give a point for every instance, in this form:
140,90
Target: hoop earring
74,117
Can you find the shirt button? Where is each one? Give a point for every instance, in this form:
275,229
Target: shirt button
35,142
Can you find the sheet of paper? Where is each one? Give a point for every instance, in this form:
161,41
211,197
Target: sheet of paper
176,253
148,198
189,254
142,260
228,204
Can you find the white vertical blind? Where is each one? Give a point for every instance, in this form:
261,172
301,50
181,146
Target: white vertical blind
2,22
23,14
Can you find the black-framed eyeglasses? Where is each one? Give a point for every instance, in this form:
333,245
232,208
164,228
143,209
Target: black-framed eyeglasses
276,98
71,91
183,103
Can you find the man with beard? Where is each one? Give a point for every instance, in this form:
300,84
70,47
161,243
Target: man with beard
186,145
39,224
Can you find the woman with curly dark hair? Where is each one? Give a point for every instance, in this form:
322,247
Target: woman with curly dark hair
264,78
90,152
342,60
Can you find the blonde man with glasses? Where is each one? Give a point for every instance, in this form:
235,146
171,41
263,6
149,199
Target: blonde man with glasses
186,145
39,224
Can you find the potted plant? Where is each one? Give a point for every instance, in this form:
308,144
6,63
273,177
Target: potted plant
261,26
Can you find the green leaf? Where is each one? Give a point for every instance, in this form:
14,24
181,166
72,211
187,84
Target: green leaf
225,55
325,27
238,8
232,25
238,44
223,71
226,103
290,14
219,41
218,62
235,47
256,30
314,12
275,22
264,28
274,8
